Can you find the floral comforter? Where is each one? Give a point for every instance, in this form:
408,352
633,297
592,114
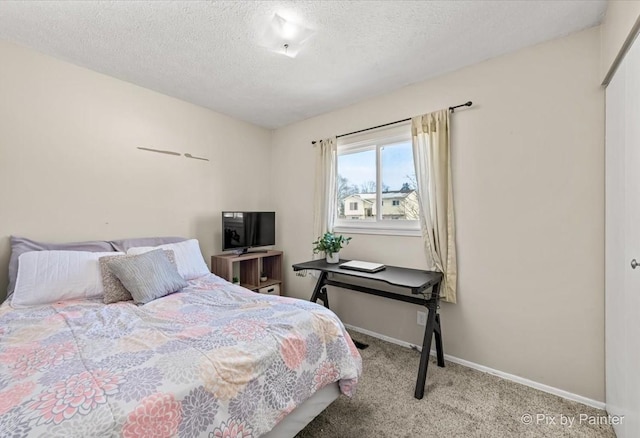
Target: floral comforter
214,360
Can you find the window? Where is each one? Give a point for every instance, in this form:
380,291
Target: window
377,167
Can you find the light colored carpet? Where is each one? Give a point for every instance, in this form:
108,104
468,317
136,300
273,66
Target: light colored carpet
458,402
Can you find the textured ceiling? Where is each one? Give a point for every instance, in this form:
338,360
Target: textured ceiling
209,53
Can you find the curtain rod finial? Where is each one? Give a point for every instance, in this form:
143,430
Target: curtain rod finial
453,108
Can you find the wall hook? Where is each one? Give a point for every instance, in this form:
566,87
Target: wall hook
196,158
159,151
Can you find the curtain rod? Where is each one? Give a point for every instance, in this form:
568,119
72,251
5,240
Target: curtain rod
451,108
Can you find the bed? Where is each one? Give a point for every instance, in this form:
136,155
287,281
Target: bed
213,360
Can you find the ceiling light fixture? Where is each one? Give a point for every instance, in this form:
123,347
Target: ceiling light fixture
285,37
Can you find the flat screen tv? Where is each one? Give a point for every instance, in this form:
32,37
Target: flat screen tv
242,230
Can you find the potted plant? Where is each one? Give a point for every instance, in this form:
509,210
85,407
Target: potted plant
235,280
263,277
331,245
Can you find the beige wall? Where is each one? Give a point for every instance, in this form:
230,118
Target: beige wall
70,170
528,180
620,17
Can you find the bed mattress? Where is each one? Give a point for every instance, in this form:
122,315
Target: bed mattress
305,413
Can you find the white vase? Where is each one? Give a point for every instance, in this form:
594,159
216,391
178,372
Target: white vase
333,258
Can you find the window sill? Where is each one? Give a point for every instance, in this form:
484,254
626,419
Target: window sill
378,231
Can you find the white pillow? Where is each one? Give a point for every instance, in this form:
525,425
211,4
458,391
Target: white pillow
187,254
46,277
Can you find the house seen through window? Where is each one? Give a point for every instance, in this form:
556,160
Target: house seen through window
371,172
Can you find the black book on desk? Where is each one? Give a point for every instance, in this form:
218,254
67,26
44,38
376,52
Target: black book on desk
356,265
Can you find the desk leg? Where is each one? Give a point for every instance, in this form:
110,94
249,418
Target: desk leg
320,292
426,343
439,347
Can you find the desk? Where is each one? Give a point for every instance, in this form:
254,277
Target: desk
416,280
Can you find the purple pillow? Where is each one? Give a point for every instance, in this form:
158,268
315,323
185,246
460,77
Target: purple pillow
20,245
123,245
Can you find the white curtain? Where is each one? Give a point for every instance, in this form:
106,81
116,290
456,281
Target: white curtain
432,159
325,188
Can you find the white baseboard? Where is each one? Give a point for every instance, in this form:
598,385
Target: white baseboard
536,385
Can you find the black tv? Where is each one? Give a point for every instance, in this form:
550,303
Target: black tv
242,230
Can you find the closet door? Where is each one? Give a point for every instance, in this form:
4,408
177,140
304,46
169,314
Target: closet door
632,227
622,302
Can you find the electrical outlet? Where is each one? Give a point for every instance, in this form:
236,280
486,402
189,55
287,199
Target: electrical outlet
422,318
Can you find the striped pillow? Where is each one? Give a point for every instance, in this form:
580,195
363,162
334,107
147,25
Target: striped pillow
114,291
147,276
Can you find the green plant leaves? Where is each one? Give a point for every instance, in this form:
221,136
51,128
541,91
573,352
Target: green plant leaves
330,243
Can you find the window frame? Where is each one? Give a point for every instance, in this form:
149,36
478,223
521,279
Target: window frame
375,141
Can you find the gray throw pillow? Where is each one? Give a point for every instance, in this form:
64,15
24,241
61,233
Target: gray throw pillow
114,291
147,276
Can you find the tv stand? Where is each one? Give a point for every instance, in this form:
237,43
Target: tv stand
248,266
